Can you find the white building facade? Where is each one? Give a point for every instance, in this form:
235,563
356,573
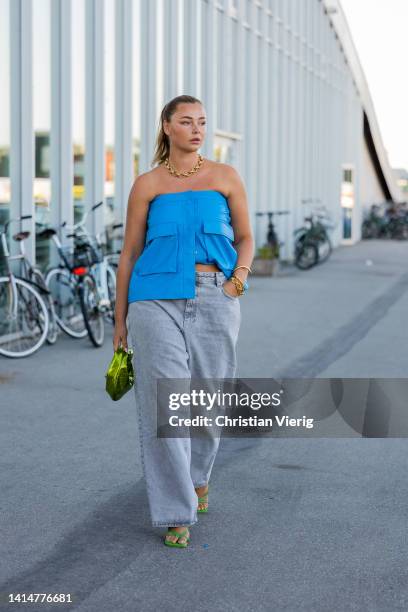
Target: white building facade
286,100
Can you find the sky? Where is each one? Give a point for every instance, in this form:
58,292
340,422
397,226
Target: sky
380,32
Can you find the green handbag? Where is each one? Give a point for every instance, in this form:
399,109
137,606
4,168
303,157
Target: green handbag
120,376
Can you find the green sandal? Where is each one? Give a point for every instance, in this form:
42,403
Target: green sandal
203,500
179,534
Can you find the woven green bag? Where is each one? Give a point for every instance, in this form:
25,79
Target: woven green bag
120,376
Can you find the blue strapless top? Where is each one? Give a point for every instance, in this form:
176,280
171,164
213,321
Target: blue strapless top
183,228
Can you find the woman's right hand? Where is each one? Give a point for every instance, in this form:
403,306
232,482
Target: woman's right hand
120,336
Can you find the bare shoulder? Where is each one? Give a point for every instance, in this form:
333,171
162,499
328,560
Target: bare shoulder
228,171
143,188
231,178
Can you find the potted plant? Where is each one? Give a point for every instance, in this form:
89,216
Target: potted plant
266,261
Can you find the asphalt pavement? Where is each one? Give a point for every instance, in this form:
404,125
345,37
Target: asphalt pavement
295,524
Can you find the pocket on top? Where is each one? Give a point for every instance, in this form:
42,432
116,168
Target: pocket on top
218,238
161,249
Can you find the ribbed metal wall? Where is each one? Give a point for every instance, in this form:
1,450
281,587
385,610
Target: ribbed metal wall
272,75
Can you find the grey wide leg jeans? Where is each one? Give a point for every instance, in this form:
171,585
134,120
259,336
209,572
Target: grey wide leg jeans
181,338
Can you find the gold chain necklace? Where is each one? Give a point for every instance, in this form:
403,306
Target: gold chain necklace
174,172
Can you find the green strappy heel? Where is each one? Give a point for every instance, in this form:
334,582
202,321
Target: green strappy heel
178,534
203,500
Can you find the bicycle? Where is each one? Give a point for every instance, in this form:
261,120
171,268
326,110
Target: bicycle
62,282
397,225
103,266
313,244
374,224
389,221
34,275
25,320
88,274
321,226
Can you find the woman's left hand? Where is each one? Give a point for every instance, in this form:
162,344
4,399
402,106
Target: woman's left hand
230,288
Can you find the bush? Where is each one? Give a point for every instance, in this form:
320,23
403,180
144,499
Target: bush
268,252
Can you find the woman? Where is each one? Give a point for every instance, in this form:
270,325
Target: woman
186,255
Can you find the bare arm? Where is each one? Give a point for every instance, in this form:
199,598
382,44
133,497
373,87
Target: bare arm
133,243
243,239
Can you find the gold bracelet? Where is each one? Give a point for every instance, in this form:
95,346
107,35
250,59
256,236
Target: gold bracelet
246,267
239,285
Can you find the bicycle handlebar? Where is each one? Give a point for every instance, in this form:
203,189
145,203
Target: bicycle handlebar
14,220
81,223
273,212
310,200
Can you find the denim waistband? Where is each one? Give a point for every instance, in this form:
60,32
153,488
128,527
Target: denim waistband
209,278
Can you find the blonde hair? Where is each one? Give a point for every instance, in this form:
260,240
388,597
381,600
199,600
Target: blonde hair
162,148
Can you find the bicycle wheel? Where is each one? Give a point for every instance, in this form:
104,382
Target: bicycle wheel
369,230
66,301
324,248
93,316
38,277
306,256
24,320
401,230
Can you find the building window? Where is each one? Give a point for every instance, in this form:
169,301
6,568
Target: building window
348,175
